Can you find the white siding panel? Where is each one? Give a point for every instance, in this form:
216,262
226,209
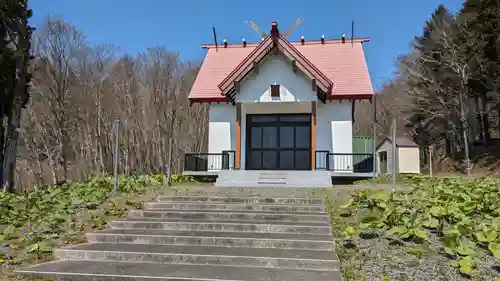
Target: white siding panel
334,133
409,160
221,132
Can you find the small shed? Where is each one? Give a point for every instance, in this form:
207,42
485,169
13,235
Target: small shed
407,156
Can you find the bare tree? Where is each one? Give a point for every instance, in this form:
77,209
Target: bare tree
79,90
59,45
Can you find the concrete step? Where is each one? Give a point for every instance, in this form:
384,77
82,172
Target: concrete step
239,207
217,220
285,192
231,239
114,271
234,226
241,200
233,211
181,214
203,255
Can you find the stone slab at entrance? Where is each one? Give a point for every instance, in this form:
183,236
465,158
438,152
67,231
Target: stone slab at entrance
287,179
250,234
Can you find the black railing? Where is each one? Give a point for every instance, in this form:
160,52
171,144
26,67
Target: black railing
202,162
322,160
344,162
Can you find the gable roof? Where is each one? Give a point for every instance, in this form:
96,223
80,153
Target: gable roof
274,40
339,69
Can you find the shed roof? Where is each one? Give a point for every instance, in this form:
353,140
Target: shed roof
401,141
342,64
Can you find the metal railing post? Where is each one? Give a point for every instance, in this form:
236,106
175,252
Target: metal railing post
117,151
327,161
394,152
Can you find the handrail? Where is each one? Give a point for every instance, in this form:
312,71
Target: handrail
344,162
202,161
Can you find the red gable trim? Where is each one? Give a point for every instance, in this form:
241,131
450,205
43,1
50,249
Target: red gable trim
246,64
275,40
307,66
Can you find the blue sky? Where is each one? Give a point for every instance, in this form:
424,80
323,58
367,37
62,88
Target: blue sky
182,25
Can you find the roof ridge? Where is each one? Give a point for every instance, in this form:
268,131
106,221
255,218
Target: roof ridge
311,42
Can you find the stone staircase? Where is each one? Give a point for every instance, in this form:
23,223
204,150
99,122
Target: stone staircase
297,179
231,236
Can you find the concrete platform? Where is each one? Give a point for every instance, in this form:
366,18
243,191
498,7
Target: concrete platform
273,179
128,271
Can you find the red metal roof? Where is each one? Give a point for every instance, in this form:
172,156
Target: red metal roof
342,64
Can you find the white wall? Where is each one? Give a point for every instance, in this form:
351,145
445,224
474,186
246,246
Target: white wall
409,160
276,69
334,132
334,119
221,132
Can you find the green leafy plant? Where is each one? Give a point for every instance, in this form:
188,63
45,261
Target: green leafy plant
417,251
462,214
181,179
39,248
31,224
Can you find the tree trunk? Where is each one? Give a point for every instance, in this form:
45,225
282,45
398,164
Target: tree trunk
14,120
13,126
2,146
485,120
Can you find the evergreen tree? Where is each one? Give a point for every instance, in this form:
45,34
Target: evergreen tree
482,19
15,55
433,112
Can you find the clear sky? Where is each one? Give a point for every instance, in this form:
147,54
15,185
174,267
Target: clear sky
182,25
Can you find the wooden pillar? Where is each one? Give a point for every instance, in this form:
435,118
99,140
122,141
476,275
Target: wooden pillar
238,135
313,135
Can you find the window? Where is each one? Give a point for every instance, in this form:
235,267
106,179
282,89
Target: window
263,118
383,156
275,91
295,118
383,162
